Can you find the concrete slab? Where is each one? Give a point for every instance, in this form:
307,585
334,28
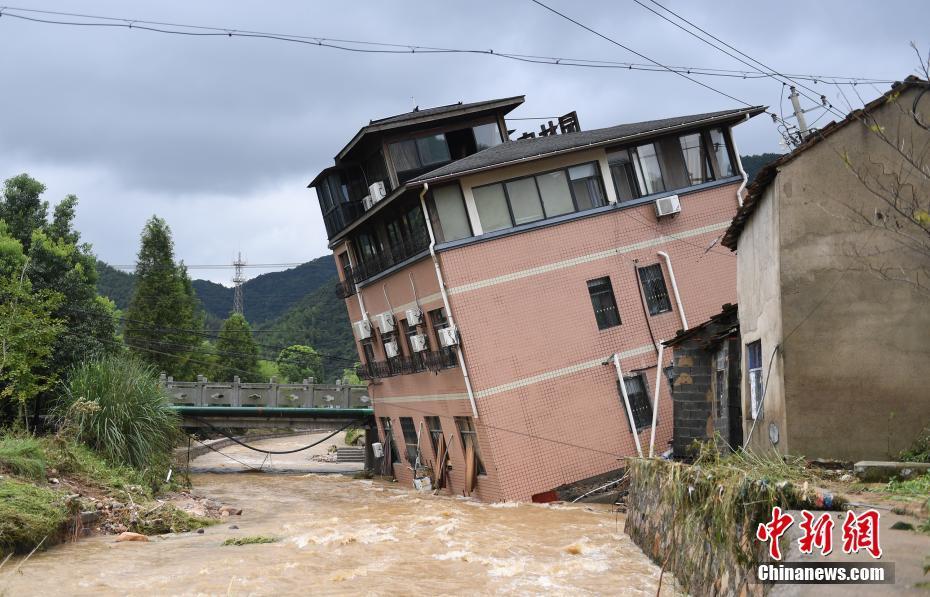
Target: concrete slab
876,471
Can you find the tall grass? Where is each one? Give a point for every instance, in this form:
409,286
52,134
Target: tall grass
22,456
115,405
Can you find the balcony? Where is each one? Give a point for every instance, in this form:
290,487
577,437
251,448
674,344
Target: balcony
396,253
343,214
422,361
346,288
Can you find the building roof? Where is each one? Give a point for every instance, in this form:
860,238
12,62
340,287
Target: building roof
418,116
766,175
541,147
727,317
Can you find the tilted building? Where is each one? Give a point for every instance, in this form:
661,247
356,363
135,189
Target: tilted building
491,282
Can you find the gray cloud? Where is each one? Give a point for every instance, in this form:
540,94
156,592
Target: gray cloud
226,132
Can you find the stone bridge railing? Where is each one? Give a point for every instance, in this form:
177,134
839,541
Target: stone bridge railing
268,395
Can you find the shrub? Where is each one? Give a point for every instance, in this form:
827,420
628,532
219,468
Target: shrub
116,406
22,456
920,450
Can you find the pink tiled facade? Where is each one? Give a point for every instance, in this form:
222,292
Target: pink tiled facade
549,410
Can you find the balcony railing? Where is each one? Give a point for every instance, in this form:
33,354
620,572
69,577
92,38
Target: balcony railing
338,218
422,361
407,248
346,288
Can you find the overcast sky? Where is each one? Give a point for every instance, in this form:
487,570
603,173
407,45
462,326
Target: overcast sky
221,135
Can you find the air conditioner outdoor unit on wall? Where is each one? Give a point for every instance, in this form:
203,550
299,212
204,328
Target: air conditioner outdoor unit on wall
390,349
377,192
362,329
385,322
667,206
448,337
418,343
414,316
367,203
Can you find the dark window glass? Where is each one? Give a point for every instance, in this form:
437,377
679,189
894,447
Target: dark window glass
654,289
410,440
469,437
754,360
621,170
433,149
586,186
487,135
605,306
697,162
718,142
389,439
435,432
639,401
368,350
404,155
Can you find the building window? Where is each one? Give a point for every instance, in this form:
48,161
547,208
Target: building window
439,321
605,306
469,437
648,171
654,289
697,162
435,432
639,401
416,358
487,135
394,362
410,440
368,351
389,439
718,141
720,381
532,198
450,211
754,358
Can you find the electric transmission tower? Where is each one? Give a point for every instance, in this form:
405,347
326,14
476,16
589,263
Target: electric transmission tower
238,279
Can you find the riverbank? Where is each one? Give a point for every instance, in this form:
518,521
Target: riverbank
52,491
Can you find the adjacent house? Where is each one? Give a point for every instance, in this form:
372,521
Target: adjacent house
833,282
508,297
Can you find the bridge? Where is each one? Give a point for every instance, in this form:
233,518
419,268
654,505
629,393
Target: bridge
205,403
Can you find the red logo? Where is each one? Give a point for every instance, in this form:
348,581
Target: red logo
817,534
773,530
861,532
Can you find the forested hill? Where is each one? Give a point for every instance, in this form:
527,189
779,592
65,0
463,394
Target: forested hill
753,163
266,297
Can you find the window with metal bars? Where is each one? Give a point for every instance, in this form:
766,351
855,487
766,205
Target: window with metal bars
654,289
639,401
469,435
435,432
410,439
389,438
604,303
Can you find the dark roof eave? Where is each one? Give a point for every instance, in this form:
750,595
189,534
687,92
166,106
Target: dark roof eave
734,117
512,102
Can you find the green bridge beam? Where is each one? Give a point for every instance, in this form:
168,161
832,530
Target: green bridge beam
277,412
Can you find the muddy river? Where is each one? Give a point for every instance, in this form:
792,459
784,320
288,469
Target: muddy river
336,535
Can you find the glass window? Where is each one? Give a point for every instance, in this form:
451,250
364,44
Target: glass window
621,170
435,432
524,200
492,207
410,440
556,196
586,184
433,149
389,439
404,155
450,207
696,158
654,289
754,358
447,354
720,381
648,172
639,401
487,135
719,142
604,303
469,437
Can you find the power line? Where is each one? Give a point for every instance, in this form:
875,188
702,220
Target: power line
367,46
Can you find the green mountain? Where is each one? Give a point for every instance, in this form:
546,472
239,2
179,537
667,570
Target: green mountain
753,163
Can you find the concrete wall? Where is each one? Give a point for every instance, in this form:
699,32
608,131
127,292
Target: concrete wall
759,292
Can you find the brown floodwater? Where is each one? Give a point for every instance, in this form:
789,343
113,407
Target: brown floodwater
336,535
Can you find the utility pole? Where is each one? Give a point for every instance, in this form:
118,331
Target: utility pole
238,279
798,113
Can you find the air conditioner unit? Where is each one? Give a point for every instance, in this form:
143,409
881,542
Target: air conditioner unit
362,329
414,316
667,206
448,337
377,192
367,203
385,322
418,343
391,350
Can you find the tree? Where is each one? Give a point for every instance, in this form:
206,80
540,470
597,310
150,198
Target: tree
350,377
298,362
163,321
236,351
27,331
58,265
